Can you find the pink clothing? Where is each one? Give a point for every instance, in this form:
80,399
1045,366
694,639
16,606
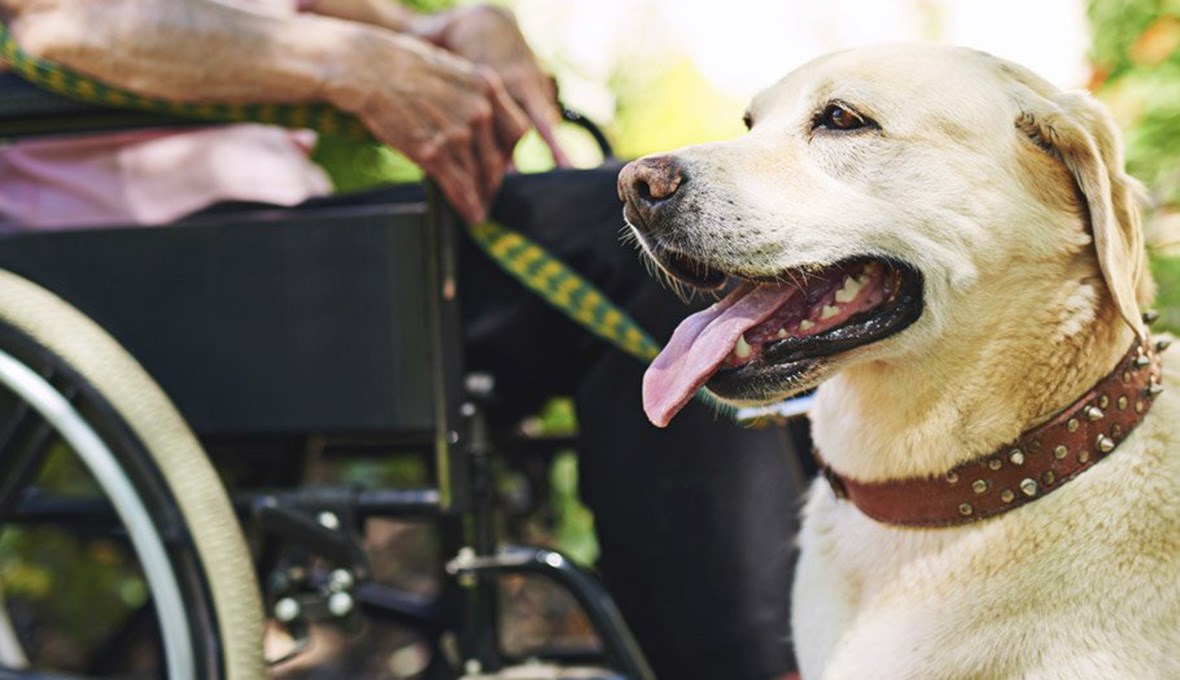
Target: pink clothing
153,177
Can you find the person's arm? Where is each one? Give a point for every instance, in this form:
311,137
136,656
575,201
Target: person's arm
483,34
454,119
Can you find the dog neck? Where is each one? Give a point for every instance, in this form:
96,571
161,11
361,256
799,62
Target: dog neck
922,417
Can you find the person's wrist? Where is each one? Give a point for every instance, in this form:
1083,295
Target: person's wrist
348,67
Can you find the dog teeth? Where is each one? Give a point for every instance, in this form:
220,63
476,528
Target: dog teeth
806,325
828,312
849,290
742,349
782,332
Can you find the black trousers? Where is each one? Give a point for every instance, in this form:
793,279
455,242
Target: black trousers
696,522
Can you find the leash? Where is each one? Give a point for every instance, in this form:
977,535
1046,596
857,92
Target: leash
535,268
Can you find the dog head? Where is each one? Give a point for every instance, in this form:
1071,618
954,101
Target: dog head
884,201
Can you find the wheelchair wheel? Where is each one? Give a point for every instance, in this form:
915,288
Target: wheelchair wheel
69,392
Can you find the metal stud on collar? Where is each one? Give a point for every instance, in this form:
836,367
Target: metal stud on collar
1105,444
1150,316
1093,413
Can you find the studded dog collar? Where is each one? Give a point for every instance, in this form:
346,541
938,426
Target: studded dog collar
1040,460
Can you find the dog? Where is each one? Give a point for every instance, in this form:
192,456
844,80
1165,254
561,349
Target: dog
950,248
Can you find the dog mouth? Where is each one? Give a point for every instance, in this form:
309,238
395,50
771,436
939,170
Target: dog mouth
770,338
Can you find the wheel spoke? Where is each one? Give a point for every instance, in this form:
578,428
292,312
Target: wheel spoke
24,446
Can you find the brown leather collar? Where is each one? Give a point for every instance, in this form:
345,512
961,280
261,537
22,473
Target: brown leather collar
1040,460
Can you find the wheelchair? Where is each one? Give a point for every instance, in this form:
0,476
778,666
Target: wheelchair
185,370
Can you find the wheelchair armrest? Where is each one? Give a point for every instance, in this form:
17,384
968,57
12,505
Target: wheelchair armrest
27,110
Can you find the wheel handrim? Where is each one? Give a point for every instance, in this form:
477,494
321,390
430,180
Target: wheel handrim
98,458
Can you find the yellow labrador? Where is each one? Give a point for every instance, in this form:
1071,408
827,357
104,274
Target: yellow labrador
949,245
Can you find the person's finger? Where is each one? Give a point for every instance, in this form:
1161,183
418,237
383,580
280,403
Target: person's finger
459,187
489,155
509,120
543,114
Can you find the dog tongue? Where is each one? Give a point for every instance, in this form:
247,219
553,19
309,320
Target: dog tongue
701,343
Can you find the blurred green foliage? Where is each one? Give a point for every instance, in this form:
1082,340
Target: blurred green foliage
1136,59
668,106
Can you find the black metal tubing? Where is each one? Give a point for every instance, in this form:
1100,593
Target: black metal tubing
604,145
301,528
621,650
421,612
98,513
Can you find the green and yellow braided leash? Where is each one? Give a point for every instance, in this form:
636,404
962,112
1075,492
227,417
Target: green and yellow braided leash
528,262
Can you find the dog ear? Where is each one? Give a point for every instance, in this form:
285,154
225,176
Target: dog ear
1078,131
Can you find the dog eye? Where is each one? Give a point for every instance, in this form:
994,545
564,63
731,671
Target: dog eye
840,117
748,120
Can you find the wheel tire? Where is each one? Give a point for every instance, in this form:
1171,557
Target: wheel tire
161,458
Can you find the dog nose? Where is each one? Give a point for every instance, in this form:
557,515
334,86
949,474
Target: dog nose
648,184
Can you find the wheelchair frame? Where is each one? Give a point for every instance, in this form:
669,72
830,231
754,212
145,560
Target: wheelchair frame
323,521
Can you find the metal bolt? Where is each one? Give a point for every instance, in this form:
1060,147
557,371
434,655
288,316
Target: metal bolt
473,667
328,520
340,604
287,610
479,384
467,410
340,579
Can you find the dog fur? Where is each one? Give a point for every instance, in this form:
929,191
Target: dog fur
1011,199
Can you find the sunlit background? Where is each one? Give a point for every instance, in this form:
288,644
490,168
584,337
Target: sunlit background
664,73
668,72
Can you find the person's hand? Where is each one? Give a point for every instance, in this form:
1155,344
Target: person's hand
453,118
490,36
